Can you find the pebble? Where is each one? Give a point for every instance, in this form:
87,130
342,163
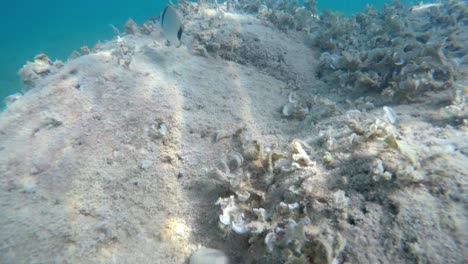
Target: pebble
146,164
209,256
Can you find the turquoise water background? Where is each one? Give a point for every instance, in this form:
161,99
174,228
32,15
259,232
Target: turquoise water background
57,27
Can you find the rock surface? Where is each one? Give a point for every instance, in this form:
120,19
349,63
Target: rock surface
121,155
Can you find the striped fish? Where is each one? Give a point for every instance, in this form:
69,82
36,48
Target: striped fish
171,25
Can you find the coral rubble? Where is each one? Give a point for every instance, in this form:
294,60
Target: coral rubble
34,71
397,52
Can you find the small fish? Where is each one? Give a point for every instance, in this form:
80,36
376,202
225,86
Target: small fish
423,7
172,25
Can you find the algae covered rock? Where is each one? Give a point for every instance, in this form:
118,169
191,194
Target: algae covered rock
397,51
131,27
33,71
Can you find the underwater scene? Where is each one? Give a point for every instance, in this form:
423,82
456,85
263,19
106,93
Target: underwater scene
238,131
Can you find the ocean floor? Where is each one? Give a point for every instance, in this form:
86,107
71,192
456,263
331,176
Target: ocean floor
306,142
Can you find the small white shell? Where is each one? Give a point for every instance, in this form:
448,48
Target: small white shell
234,160
163,129
292,97
401,62
283,205
390,115
398,59
270,240
239,227
145,164
293,206
235,182
288,109
222,166
225,219
299,154
242,195
263,10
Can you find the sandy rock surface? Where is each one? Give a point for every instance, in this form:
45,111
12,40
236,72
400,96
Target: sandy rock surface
105,161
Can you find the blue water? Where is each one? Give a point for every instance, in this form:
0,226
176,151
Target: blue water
57,27
350,7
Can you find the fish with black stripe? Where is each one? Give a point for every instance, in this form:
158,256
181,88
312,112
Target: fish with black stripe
172,26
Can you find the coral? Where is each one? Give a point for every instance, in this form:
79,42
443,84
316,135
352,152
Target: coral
33,72
250,6
391,52
281,226
130,28
312,108
299,156
230,5
124,52
157,132
85,50
321,108
187,7
289,15
75,54
311,5
294,108
97,47
397,162
147,27
456,113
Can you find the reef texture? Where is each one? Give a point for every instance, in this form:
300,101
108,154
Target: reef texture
275,134
399,52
